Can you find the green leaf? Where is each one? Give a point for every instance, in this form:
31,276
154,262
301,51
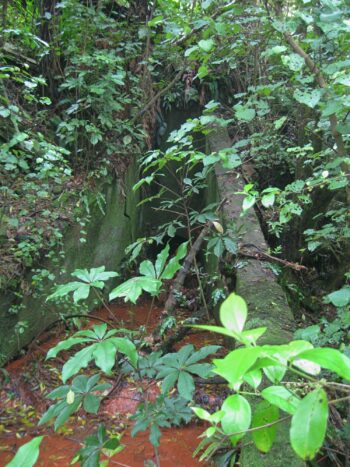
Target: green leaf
340,297
80,360
27,454
126,347
66,344
104,355
248,202
309,424
132,288
63,290
250,336
203,71
236,364
282,398
268,200
100,330
161,260
309,98
81,293
185,385
233,313
253,378
264,414
66,412
217,329
91,403
169,381
293,61
202,353
206,44
244,114
237,417
58,393
330,359
147,269
201,413
279,123
275,373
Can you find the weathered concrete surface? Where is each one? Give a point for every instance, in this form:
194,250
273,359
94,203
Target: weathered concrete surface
107,236
267,302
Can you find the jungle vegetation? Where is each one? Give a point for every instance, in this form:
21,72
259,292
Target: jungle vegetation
86,91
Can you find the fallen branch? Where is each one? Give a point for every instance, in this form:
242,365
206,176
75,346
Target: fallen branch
260,254
170,304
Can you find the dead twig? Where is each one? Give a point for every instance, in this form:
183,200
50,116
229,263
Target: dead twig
260,254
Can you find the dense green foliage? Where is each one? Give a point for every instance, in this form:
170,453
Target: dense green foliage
86,88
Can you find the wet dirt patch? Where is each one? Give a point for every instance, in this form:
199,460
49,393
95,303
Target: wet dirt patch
30,378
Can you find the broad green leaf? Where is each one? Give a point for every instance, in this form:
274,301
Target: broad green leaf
340,297
65,345
171,269
100,330
27,454
201,413
275,373
91,403
183,354
309,98
206,44
147,269
309,424
217,329
244,113
264,414
126,347
233,313
282,398
104,355
330,359
132,288
308,367
200,369
169,381
279,123
63,290
236,364
81,293
58,393
268,200
66,412
252,335
161,260
80,360
185,385
248,202
203,71
202,353
293,61
237,417
253,378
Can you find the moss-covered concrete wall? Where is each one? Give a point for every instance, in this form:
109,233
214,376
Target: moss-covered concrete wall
107,236
266,300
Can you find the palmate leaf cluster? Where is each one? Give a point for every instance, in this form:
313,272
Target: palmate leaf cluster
95,445
180,367
83,392
162,413
152,275
102,348
95,277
